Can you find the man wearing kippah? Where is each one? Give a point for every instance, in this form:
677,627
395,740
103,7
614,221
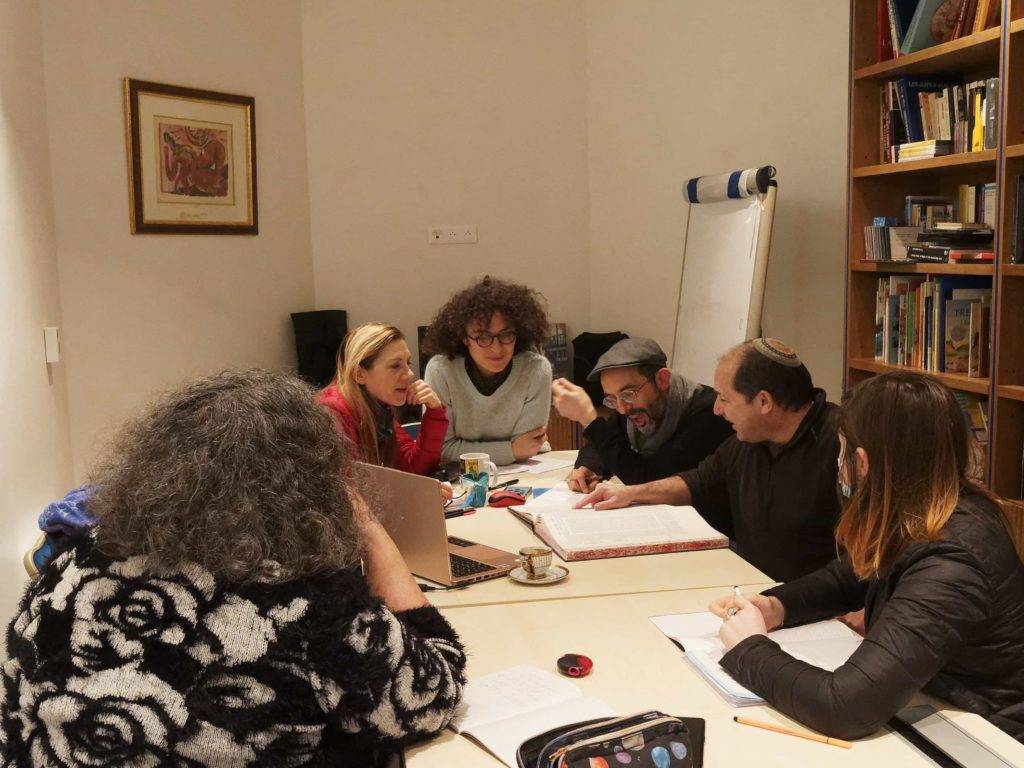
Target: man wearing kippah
663,423
771,488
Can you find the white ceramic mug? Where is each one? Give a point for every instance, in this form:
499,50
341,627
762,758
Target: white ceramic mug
476,464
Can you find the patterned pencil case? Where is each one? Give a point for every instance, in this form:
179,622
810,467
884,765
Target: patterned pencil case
645,739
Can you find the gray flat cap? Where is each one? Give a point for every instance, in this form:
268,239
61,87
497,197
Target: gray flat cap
629,352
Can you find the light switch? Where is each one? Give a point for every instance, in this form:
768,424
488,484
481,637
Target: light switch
51,341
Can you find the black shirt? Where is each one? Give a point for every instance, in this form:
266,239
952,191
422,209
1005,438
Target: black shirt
778,504
947,616
698,433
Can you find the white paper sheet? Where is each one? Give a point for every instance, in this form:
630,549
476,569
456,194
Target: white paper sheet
536,466
506,708
826,644
579,529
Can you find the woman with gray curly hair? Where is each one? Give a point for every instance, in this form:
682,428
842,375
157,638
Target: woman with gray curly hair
218,615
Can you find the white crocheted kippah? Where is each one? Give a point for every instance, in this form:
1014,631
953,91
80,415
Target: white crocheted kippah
777,352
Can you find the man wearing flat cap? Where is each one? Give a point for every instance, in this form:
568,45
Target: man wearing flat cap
663,423
771,488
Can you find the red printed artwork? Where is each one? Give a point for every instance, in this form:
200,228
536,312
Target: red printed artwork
195,161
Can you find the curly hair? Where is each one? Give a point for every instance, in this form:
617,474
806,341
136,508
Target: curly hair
522,306
241,473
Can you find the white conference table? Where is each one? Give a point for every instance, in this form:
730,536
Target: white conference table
636,668
497,527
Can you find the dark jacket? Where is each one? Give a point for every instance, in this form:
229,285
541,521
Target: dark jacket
948,617
779,505
698,433
108,665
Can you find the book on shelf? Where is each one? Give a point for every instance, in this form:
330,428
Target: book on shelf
923,117
937,241
978,344
957,335
912,324
1017,255
586,534
926,210
934,22
908,26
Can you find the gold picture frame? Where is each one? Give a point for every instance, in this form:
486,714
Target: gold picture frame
191,160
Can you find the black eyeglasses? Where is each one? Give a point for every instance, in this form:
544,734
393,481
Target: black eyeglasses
627,396
485,339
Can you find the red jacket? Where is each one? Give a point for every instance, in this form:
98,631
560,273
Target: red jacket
418,456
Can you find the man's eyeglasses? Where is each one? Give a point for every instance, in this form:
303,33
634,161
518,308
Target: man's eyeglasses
627,396
485,339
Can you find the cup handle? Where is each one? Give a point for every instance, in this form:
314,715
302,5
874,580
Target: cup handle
492,471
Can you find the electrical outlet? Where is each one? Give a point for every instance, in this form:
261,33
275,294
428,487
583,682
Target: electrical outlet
452,234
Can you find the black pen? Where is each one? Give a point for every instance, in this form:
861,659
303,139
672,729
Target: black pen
506,484
459,513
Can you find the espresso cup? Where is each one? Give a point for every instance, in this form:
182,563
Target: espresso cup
536,561
477,464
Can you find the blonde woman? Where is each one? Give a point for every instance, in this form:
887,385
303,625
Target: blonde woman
373,378
928,557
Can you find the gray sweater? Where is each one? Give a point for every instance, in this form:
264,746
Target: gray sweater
487,424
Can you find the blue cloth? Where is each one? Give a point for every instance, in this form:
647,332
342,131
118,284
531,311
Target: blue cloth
69,515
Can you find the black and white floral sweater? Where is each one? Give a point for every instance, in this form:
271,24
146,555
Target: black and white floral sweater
110,666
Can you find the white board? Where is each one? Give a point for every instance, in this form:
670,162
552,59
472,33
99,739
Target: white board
722,285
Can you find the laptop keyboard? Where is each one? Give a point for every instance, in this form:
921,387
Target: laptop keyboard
463,566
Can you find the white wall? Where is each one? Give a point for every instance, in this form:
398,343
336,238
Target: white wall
456,112
142,312
680,89
35,460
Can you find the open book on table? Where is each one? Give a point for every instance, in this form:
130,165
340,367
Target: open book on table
826,644
506,708
588,534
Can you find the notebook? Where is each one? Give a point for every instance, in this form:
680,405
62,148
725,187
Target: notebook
826,644
588,534
506,708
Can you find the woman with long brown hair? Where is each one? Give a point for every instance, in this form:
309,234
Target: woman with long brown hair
374,376
926,553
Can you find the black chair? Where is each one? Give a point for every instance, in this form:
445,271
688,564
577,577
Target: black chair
317,338
586,349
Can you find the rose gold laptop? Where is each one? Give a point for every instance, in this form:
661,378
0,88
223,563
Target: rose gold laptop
413,513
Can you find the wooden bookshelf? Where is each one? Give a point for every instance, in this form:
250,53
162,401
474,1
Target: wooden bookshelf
965,53
905,268
931,165
879,188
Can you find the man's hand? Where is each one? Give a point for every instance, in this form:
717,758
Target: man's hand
572,402
771,608
582,480
528,445
608,496
420,393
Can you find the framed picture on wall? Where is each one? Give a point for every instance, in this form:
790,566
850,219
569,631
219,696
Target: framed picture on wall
191,160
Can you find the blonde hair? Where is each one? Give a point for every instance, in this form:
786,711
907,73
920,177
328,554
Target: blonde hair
361,347
921,457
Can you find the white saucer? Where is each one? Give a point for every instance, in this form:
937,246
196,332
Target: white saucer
555,574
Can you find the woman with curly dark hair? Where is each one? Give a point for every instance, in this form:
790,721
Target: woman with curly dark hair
488,372
217,615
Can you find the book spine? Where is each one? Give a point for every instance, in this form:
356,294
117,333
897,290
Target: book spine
991,113
602,553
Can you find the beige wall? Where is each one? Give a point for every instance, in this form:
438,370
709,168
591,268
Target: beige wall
679,89
141,312
35,460
456,112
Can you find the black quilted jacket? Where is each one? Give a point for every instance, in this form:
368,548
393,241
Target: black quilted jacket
948,618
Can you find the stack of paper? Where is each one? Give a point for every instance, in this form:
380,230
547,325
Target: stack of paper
505,709
825,644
